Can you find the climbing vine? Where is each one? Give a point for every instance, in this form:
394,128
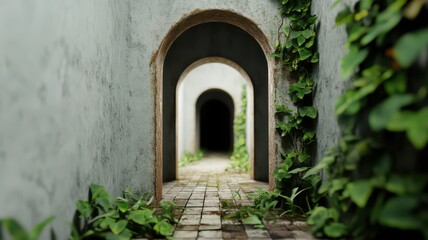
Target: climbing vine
239,158
296,49
376,184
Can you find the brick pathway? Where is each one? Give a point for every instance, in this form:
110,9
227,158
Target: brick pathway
200,190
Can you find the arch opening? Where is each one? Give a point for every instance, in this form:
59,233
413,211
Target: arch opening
214,33
215,120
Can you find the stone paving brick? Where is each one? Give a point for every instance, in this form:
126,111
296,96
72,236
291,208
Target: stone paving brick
210,234
187,227
193,211
256,233
302,235
206,196
185,234
195,203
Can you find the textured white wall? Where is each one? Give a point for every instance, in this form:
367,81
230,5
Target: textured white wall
327,77
204,77
69,113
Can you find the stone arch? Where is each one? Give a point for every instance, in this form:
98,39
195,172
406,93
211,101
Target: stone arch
234,27
232,79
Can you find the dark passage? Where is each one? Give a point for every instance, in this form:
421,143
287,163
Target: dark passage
214,113
215,127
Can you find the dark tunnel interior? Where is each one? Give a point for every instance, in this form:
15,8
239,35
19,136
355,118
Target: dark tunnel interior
215,127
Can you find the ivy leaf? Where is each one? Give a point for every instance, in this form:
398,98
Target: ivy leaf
142,217
335,230
352,60
308,111
164,228
122,204
252,219
385,21
409,47
355,33
315,57
401,184
125,235
415,125
301,40
295,34
318,218
287,31
37,230
105,223
398,213
14,228
304,54
308,33
311,20
382,113
308,135
282,109
298,170
288,44
84,208
345,16
397,84
98,191
118,227
303,157
360,191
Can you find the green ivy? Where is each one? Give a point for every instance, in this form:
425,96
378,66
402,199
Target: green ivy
296,49
17,232
189,157
239,158
121,218
376,184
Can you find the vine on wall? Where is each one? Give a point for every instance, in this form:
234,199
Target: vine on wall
298,53
239,158
376,185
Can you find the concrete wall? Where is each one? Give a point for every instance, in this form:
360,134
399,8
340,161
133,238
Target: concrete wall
70,114
200,79
327,76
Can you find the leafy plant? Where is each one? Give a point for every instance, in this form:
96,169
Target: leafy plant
376,185
103,217
189,157
296,126
17,232
239,158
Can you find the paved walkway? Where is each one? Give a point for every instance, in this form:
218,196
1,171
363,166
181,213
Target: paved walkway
201,189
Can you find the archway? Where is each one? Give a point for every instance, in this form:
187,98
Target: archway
215,111
214,33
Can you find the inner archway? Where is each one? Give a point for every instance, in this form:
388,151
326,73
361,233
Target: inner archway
215,117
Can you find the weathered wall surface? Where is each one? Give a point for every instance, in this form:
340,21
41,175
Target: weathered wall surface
327,77
69,114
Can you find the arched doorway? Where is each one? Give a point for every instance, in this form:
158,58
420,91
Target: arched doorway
214,111
223,34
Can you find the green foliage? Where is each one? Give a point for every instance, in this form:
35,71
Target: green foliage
130,216
376,185
17,232
189,157
239,158
296,126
